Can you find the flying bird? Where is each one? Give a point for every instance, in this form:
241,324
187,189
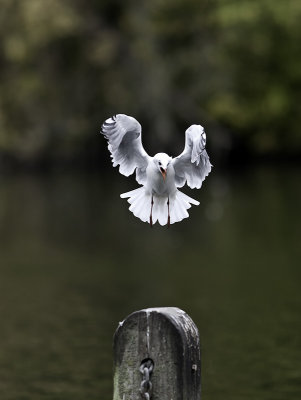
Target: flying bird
158,199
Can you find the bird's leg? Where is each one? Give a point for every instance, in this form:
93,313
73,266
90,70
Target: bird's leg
168,218
151,213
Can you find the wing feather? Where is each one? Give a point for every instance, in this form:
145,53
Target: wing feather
124,136
192,165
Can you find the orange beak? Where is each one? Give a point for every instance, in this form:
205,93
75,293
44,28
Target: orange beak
163,172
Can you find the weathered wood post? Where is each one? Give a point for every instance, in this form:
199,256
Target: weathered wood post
157,356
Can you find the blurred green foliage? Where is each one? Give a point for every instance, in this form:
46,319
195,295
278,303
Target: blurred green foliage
66,65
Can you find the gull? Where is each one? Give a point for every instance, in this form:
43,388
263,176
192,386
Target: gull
158,199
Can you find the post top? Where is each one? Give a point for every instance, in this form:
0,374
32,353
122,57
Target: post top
168,338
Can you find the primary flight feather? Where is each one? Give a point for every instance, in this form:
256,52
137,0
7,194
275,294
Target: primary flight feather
158,199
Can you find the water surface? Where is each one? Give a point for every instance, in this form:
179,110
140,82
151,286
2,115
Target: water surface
74,262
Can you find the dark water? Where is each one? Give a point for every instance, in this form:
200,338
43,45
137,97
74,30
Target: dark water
74,262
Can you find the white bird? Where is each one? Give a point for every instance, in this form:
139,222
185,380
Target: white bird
158,199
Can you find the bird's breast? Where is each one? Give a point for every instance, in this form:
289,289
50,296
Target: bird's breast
157,185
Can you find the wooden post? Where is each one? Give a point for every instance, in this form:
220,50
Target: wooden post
159,347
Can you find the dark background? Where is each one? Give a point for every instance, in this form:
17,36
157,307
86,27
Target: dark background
65,66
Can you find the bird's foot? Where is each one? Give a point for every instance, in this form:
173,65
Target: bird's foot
168,218
151,213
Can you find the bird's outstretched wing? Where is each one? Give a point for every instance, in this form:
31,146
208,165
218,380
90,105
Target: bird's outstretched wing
124,137
193,164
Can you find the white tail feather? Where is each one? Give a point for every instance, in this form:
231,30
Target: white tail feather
140,201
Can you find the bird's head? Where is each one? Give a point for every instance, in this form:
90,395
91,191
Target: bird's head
162,162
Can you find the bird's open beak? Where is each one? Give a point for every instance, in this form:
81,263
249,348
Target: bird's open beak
163,172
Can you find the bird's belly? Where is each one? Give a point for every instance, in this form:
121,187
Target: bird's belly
162,187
